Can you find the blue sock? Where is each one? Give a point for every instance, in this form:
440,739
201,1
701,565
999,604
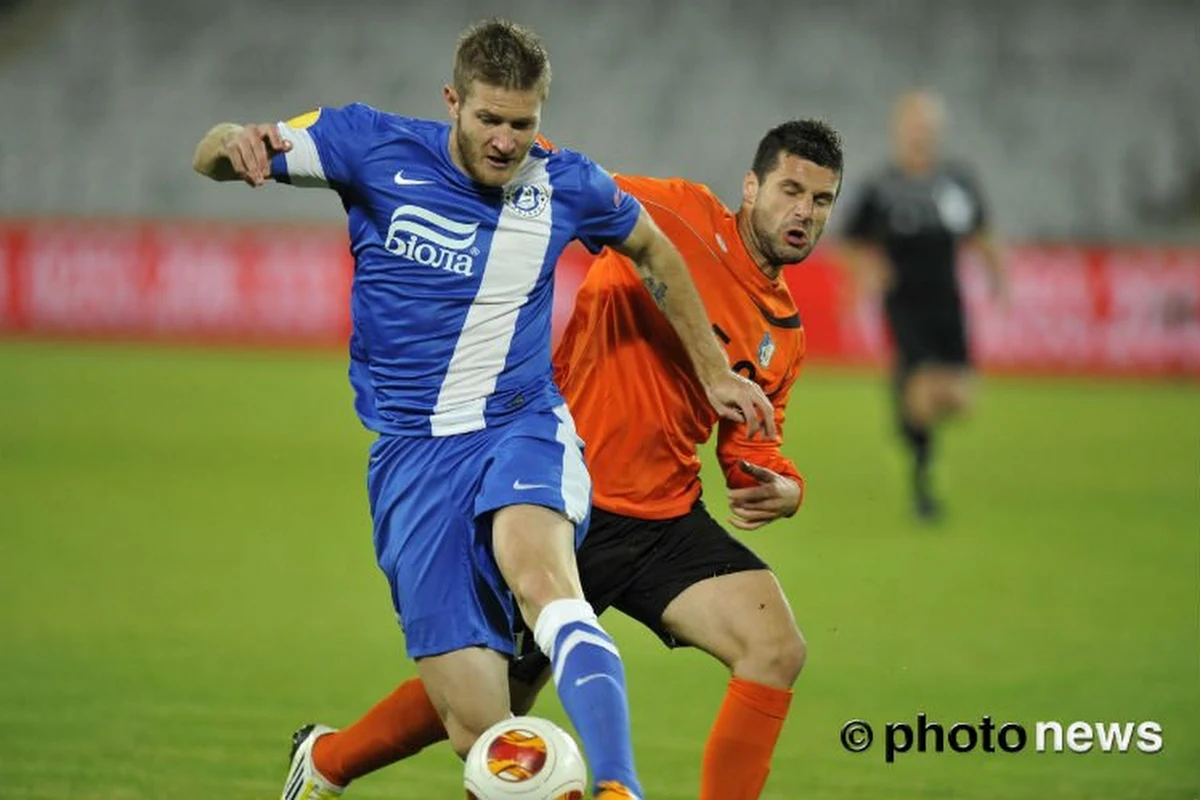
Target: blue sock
590,679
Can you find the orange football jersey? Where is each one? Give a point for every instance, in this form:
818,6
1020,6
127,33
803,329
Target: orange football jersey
629,382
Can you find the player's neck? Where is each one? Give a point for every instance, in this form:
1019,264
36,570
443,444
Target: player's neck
754,247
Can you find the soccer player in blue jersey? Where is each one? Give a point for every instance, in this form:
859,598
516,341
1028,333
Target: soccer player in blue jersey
477,484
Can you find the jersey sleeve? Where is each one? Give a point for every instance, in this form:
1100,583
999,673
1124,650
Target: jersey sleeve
733,445
327,146
607,213
865,220
970,183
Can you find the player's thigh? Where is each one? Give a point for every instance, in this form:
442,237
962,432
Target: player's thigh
446,590
537,493
744,620
937,390
469,689
697,587
535,551
955,388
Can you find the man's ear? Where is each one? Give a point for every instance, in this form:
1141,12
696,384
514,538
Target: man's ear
749,188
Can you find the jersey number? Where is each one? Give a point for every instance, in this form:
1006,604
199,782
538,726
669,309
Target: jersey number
745,368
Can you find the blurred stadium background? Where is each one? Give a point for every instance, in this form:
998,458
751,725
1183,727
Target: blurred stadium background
185,565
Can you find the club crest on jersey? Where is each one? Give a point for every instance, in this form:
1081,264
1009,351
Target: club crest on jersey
526,199
432,240
766,349
954,206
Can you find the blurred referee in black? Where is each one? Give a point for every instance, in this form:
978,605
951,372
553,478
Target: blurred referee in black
902,242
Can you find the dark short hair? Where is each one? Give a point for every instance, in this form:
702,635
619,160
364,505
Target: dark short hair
811,139
504,54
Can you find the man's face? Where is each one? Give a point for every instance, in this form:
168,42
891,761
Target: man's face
789,207
917,127
493,129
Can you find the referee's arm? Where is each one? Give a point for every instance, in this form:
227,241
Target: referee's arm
985,241
860,250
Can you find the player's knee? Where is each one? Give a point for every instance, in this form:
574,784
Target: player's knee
777,660
536,588
462,739
919,404
463,733
788,654
957,399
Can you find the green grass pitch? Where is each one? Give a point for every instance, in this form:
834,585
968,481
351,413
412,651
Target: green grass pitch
186,574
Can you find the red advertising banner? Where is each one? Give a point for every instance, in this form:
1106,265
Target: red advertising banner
187,281
1076,309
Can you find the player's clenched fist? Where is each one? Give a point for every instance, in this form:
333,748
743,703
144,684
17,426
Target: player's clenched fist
771,497
249,149
736,397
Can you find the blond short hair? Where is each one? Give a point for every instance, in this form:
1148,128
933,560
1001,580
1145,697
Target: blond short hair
504,54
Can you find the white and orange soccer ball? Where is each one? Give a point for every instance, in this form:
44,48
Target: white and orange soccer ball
525,758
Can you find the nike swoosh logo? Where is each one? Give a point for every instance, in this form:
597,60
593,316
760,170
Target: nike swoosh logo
586,679
520,487
403,181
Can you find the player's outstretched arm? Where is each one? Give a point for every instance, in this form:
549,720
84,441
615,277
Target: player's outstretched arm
665,276
232,152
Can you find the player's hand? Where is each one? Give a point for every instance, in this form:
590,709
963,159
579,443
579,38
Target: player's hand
740,399
775,496
249,151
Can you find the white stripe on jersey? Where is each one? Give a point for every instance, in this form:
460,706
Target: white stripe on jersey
576,484
303,161
514,263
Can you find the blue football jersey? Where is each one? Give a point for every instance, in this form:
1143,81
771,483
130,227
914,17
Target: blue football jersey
453,281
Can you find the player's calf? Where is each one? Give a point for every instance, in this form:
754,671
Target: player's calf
743,619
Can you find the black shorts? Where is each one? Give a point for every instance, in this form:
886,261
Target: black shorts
929,335
639,566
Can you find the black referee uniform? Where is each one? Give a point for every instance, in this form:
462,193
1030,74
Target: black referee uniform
918,221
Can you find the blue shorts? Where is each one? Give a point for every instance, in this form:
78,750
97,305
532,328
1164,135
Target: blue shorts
432,500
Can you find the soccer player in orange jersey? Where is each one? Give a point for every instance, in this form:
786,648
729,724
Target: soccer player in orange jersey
653,551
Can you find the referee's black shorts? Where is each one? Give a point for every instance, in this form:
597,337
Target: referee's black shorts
639,566
934,334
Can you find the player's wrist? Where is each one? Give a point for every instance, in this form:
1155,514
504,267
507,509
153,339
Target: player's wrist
712,367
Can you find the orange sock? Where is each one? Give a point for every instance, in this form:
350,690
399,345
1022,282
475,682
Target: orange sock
737,757
398,726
